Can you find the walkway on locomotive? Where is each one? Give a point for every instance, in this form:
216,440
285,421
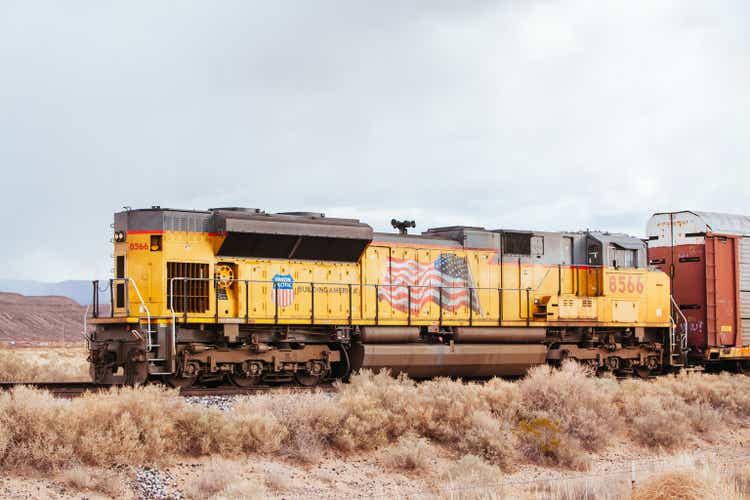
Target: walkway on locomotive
245,266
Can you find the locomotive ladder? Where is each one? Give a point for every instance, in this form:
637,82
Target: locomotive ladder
151,347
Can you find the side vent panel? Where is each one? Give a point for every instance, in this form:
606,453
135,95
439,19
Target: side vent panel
189,295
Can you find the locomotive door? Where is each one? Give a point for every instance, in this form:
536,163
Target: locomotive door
375,272
426,289
566,261
120,285
398,292
385,278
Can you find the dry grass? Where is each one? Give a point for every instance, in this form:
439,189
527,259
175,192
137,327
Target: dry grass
223,479
471,478
127,426
212,479
409,453
673,485
552,417
109,483
44,364
701,482
584,489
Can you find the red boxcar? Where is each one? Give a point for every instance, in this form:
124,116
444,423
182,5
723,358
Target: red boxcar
707,256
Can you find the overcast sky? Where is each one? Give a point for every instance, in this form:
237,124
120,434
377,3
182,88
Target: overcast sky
542,115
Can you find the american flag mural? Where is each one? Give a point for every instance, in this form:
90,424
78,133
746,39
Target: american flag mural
283,289
448,271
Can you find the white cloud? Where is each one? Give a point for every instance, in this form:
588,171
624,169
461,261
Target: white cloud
549,115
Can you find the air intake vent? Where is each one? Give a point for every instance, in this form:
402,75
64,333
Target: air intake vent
189,295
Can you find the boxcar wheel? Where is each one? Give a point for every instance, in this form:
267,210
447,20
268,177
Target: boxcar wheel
743,367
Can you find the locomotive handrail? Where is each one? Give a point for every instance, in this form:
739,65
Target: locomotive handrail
340,283
350,285
149,344
95,310
86,326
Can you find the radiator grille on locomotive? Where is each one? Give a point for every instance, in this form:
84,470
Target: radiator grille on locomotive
189,294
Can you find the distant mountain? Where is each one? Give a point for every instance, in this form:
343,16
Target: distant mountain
78,290
35,319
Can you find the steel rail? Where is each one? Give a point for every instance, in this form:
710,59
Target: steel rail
75,389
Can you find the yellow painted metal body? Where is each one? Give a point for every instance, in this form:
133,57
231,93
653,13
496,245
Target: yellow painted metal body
332,293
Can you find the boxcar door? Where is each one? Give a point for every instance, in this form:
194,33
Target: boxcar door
745,289
721,290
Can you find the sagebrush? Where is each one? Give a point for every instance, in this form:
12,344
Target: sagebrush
44,364
555,417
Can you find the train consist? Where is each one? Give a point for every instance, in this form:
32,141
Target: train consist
255,298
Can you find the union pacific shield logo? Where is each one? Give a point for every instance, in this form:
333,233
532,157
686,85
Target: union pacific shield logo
283,289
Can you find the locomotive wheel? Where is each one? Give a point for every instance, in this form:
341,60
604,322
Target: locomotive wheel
179,382
308,379
244,381
642,371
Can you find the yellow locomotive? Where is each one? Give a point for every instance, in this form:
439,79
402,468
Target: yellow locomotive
258,298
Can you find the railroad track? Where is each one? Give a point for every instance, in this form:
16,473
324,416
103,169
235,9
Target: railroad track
75,389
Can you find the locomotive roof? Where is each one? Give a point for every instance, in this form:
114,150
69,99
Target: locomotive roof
237,220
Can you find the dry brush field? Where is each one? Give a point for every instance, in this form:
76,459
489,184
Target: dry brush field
63,362
380,435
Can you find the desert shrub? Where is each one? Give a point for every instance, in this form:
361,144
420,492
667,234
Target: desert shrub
109,483
43,364
459,416
244,489
739,478
654,415
470,478
584,489
502,398
552,417
409,453
127,425
212,479
579,403
374,410
371,411
489,438
671,485
310,423
278,482
221,479
17,367
253,430
542,441
725,392
206,431
36,428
